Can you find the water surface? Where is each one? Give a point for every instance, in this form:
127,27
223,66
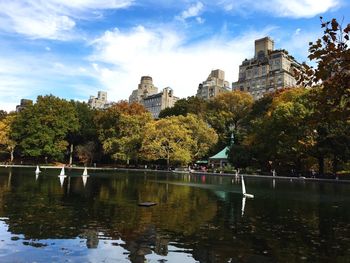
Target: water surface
196,219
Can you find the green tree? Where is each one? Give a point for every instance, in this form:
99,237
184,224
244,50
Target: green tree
282,137
3,114
190,105
41,129
86,135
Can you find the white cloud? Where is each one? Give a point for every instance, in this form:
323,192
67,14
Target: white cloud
25,75
192,11
50,19
162,54
282,8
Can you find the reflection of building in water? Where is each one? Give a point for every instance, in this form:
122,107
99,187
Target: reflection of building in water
91,238
161,247
142,244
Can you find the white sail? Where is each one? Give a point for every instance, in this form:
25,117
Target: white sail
244,191
62,171
85,173
84,177
62,177
243,204
243,186
37,169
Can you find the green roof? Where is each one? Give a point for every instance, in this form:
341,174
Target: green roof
223,154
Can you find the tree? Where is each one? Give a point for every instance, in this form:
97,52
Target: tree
5,135
3,114
203,136
120,129
282,137
41,129
178,139
227,112
86,152
191,105
86,135
167,139
331,100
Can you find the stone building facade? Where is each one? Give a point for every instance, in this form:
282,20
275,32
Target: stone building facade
213,86
268,71
157,102
144,89
99,102
147,95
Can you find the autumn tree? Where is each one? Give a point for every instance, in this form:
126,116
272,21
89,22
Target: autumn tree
40,130
5,135
331,98
3,114
203,136
120,129
178,139
280,136
226,114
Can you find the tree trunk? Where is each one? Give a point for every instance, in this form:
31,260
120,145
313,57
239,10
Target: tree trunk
335,165
321,165
71,154
168,161
11,153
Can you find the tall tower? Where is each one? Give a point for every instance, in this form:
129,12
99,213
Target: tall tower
144,89
263,46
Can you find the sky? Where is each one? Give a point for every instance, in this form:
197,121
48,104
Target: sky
74,48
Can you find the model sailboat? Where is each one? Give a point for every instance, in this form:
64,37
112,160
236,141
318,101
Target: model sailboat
85,176
62,176
244,191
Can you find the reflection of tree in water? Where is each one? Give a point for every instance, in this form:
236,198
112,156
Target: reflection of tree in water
206,223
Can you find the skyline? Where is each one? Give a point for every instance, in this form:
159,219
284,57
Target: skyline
72,49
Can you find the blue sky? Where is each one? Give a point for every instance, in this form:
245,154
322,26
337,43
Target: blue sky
73,48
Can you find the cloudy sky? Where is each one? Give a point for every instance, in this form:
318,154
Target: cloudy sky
74,48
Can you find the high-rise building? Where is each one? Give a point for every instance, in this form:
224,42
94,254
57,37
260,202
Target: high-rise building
23,104
213,86
99,102
145,88
157,102
268,71
147,95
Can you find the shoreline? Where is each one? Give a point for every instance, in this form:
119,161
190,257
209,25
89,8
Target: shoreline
306,179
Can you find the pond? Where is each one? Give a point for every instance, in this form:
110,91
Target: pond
197,218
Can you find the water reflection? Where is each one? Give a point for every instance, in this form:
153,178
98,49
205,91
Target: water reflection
198,218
